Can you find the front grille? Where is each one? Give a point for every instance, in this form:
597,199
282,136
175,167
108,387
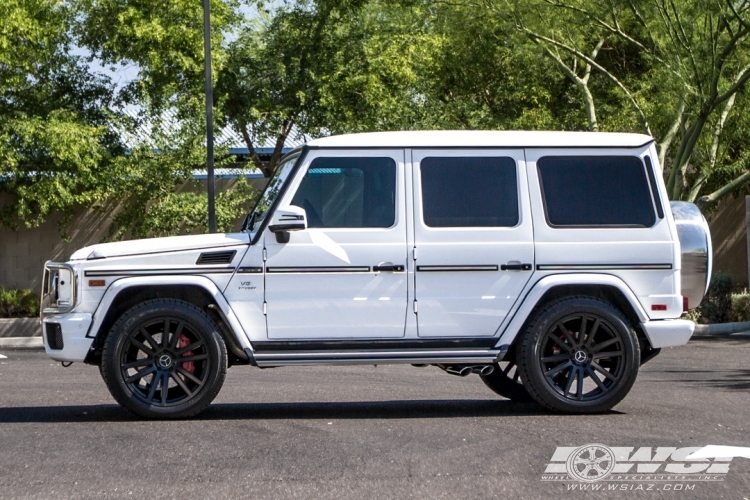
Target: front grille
53,332
224,257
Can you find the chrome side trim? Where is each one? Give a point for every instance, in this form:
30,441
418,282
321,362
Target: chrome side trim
321,269
159,272
380,357
488,267
600,267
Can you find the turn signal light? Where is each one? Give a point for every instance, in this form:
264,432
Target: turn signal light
97,282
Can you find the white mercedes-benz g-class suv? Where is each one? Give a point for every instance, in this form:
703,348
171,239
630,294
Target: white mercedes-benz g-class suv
551,264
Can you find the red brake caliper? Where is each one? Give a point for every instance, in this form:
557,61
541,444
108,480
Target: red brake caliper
189,366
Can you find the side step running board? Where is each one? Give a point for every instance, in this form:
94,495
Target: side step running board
452,356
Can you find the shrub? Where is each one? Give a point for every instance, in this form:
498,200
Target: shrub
740,307
15,303
717,304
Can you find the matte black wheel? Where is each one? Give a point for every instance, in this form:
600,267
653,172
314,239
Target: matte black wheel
164,358
579,355
505,379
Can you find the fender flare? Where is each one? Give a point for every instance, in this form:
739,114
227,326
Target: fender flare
547,283
200,281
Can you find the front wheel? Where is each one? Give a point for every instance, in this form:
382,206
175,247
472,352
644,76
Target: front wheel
164,358
578,355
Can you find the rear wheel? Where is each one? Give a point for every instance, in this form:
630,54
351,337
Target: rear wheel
579,355
505,379
164,358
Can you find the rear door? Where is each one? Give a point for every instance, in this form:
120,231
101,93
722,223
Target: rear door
473,239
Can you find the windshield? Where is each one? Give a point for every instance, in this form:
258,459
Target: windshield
273,188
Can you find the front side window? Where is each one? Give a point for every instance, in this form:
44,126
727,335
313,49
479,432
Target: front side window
353,192
595,191
469,191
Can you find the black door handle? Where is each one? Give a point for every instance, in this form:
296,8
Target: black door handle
515,267
387,266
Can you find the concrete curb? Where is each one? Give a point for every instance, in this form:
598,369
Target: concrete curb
20,327
21,343
721,329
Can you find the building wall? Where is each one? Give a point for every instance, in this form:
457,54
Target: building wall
728,225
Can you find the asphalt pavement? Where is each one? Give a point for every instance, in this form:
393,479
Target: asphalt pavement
385,432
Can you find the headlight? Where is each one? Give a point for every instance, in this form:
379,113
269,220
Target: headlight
58,288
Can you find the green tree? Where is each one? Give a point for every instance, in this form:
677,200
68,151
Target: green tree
54,124
680,67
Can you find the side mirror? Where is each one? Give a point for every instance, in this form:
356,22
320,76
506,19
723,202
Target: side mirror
291,218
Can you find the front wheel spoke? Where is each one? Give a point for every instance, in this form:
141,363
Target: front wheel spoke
188,374
560,342
152,388
191,347
154,344
165,334
140,374
138,363
164,387
579,391
571,377
592,334
176,337
598,347
607,354
604,372
178,380
142,347
554,371
555,358
595,378
567,335
199,357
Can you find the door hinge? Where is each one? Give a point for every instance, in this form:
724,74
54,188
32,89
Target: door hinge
416,306
265,255
265,307
415,253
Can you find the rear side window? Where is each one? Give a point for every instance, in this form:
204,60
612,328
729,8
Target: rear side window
349,192
581,191
469,191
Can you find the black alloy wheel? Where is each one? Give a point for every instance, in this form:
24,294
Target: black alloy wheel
164,359
579,355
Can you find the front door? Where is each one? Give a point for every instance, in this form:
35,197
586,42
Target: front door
344,277
473,239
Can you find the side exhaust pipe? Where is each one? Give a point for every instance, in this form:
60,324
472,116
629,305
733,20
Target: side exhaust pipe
483,369
458,370
466,370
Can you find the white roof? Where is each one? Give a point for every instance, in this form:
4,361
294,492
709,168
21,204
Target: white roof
481,138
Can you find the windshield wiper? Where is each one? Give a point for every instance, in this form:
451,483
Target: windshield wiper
249,224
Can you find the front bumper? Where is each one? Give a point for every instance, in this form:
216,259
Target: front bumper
75,344
668,332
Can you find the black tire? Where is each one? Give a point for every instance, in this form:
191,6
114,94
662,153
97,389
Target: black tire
505,380
138,361
579,340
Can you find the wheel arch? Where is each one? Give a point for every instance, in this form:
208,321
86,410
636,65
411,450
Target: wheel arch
549,288
125,293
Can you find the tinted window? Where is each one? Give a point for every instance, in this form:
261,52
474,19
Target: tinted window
349,192
595,191
469,192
